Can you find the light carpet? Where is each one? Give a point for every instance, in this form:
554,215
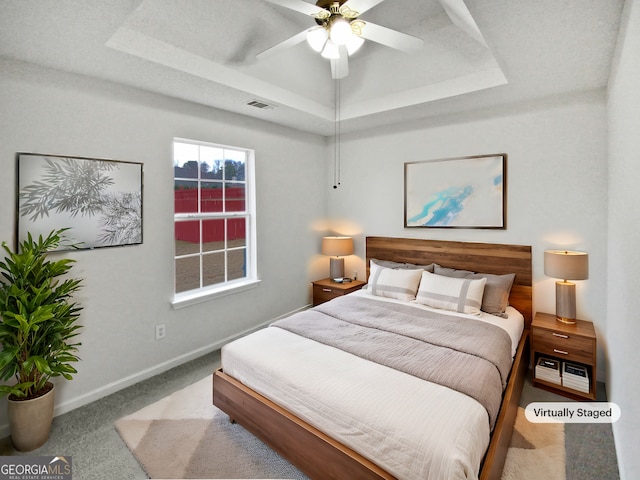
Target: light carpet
185,436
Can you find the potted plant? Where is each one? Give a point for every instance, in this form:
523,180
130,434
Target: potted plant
37,327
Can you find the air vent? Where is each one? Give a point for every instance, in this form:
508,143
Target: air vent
260,105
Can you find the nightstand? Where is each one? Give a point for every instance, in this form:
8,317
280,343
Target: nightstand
575,344
326,289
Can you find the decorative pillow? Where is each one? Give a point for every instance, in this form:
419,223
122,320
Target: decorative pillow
402,266
394,283
461,295
496,292
427,268
386,264
451,272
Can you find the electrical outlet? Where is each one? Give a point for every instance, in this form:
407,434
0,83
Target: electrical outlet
160,331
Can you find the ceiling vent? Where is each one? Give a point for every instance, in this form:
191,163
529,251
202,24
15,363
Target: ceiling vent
260,105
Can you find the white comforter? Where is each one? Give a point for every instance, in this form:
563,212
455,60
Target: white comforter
411,428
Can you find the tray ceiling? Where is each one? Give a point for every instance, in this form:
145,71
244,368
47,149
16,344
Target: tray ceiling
477,54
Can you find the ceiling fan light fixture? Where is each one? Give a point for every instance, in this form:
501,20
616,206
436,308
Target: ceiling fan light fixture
340,31
317,37
353,44
330,50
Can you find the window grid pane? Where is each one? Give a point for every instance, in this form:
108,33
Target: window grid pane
234,198
214,268
187,237
211,197
213,235
236,232
185,196
187,274
237,267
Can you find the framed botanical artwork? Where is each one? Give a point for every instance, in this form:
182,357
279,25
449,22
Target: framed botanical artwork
464,192
98,200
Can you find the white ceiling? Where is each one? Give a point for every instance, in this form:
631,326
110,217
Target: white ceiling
205,51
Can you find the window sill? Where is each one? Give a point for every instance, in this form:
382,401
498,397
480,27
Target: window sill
187,299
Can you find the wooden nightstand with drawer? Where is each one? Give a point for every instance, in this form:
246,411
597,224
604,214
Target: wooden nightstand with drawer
573,344
326,289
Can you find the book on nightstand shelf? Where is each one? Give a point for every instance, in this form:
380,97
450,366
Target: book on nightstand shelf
575,377
548,370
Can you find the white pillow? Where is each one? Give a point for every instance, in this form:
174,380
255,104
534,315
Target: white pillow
392,283
461,295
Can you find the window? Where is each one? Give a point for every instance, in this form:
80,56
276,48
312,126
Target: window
214,220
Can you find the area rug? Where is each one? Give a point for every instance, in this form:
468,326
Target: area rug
185,436
537,451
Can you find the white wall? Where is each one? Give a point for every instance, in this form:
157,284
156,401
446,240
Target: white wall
127,290
623,329
556,182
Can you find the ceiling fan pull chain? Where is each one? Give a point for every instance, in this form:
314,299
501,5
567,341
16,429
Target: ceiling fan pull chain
336,166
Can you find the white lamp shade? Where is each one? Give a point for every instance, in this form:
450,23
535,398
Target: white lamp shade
566,264
331,50
353,44
317,37
337,246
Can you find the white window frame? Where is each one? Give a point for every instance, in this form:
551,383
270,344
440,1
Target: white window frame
191,297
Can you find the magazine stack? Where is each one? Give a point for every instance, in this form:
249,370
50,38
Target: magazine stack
548,370
575,377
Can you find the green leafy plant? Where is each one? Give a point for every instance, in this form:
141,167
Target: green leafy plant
37,317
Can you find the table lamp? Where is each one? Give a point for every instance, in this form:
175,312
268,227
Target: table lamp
566,265
337,247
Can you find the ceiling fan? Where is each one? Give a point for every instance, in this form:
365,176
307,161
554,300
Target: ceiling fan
339,32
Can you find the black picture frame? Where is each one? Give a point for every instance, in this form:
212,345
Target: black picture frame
98,200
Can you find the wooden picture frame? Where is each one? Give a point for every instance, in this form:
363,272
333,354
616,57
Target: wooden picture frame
463,192
98,200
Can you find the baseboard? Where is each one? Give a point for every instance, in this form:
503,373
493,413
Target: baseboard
149,372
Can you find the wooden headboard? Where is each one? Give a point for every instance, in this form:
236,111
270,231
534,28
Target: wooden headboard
493,258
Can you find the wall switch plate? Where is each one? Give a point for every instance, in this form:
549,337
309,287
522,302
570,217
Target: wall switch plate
161,331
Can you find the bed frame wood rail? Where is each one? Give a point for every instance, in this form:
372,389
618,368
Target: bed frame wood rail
321,457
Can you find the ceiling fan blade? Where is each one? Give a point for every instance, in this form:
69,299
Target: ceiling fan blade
340,66
391,38
299,6
362,6
289,42
460,16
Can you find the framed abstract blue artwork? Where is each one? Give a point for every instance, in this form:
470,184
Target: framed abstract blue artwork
464,192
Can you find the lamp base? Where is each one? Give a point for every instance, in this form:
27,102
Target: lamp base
336,267
566,321
566,302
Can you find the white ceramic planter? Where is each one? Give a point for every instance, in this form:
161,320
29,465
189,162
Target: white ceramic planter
30,421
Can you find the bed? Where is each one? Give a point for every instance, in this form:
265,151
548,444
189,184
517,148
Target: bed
363,434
